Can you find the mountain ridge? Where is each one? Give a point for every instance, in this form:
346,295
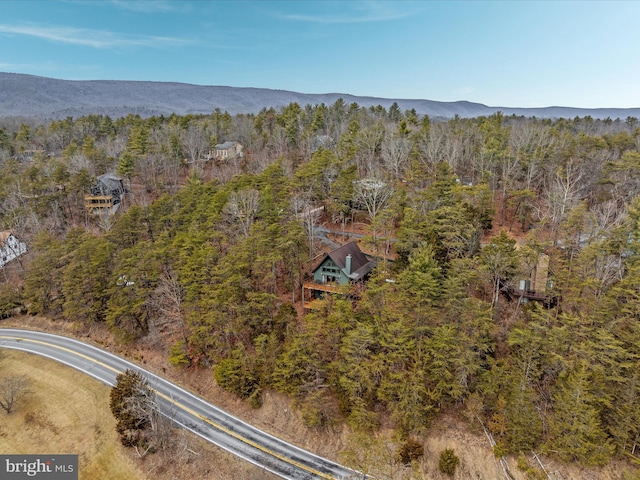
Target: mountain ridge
43,97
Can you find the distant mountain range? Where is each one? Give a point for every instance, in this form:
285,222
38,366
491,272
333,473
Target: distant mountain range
33,96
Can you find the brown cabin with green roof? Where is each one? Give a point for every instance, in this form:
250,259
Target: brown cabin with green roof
342,266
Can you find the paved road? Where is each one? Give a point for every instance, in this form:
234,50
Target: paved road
183,408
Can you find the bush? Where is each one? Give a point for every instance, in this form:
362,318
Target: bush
10,302
363,420
178,355
500,449
255,399
530,472
233,376
448,462
410,451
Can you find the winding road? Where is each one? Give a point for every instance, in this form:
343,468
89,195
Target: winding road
183,408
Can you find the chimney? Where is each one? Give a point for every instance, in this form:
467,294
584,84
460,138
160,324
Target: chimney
347,264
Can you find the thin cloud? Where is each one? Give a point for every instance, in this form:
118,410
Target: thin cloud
89,38
464,91
9,66
48,68
149,6
362,12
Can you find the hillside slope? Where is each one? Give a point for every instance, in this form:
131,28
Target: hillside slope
33,96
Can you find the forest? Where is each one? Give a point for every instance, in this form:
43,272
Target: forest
208,257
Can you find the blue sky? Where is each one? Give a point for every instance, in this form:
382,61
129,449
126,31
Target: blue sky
504,53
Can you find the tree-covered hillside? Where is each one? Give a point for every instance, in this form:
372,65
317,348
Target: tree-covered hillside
208,256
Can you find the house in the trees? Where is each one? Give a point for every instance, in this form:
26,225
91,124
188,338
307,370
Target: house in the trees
346,265
227,151
537,285
106,195
10,247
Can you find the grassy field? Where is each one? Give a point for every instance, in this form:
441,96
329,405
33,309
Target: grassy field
66,412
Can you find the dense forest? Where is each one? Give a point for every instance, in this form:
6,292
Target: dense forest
208,257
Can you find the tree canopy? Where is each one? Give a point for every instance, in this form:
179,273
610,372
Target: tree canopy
207,258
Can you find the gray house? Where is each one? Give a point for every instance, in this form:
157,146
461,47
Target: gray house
106,194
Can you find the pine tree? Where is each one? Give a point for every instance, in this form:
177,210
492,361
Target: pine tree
575,426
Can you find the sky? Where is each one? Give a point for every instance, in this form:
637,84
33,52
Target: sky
499,53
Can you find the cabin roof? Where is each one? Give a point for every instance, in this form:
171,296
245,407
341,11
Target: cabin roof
225,145
360,264
111,181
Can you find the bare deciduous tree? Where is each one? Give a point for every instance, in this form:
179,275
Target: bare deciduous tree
531,143
195,142
368,142
12,389
277,144
243,131
167,303
142,405
395,154
105,221
242,207
607,216
565,191
373,194
304,210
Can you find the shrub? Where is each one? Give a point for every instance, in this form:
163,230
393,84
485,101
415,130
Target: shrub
448,462
234,377
10,302
409,451
178,355
530,472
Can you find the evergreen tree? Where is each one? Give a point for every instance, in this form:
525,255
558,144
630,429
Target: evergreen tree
575,427
132,403
86,280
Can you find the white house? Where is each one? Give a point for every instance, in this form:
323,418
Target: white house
10,247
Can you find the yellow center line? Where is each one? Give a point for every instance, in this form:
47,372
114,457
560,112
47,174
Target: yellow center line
243,439
186,409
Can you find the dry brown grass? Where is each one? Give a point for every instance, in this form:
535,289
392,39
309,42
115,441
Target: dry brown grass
67,411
